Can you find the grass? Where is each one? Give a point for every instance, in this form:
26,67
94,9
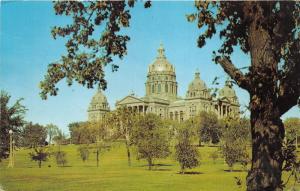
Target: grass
113,174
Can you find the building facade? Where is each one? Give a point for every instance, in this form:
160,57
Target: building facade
161,95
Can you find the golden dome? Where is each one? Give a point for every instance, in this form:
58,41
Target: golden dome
161,64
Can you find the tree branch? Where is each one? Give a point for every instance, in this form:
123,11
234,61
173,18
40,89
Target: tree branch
289,93
234,73
289,87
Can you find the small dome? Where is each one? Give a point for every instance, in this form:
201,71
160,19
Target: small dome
161,64
99,101
227,91
197,84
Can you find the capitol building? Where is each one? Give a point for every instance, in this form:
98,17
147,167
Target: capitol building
161,96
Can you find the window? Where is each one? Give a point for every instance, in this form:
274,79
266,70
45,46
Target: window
152,88
159,88
166,88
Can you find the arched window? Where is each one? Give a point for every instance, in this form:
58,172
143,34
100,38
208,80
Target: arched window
159,88
166,88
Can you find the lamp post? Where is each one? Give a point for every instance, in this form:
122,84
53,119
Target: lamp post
11,162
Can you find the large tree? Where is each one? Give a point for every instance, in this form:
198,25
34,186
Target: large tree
34,135
52,131
269,33
11,118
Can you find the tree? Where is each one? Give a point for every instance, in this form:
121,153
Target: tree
11,118
234,141
83,153
123,120
292,128
77,132
34,135
208,128
60,138
186,154
61,158
151,138
269,33
39,154
52,131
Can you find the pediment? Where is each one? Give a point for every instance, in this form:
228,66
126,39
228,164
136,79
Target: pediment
129,100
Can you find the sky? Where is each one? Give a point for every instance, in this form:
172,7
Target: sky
26,48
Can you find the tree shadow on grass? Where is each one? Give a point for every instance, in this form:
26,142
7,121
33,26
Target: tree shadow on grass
161,169
235,170
190,173
155,165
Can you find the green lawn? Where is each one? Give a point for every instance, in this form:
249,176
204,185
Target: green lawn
114,174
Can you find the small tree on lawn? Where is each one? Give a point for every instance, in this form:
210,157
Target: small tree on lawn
208,128
235,140
84,153
151,139
61,158
186,154
39,154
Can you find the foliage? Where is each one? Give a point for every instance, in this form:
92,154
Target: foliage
11,118
292,127
208,128
34,135
61,158
151,138
60,138
234,141
86,55
52,131
122,121
268,31
88,132
76,132
39,154
291,164
84,153
186,154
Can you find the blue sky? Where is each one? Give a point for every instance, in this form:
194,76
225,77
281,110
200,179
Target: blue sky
26,48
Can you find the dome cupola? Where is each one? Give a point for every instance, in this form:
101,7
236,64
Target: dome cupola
161,79
197,88
228,92
98,106
161,64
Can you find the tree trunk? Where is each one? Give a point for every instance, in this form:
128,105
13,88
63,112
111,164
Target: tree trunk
40,163
149,164
267,129
97,157
128,151
267,158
